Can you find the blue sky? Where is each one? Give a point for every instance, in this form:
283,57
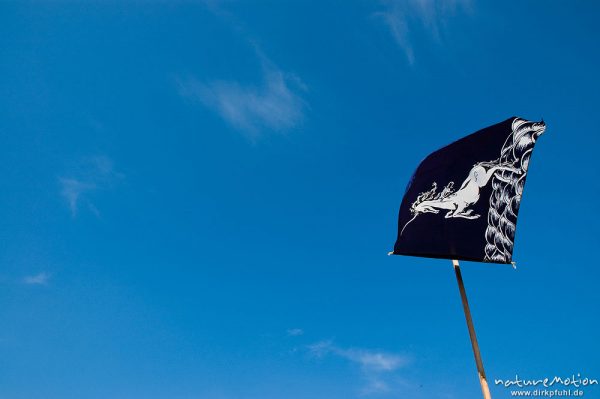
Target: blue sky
198,197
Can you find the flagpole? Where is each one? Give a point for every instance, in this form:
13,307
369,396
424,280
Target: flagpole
463,295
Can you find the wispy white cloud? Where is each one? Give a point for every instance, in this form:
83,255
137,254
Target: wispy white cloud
294,332
92,174
406,17
274,104
368,359
72,189
374,365
399,29
37,279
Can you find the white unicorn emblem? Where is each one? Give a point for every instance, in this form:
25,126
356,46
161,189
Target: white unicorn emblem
457,202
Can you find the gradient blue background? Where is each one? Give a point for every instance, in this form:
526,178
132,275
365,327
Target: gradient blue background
158,243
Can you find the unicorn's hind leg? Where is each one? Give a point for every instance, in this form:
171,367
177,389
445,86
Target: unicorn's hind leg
466,215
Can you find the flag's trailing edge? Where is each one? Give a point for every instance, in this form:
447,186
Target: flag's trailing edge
477,220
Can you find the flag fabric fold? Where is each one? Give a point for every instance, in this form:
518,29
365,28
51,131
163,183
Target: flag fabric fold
463,200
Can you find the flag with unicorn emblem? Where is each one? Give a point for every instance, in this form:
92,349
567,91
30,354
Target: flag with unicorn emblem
463,200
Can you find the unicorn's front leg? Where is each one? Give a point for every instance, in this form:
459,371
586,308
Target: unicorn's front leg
425,208
466,214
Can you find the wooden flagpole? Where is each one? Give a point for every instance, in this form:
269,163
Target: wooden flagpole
482,379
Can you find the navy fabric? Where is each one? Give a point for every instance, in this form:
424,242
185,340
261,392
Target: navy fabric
462,201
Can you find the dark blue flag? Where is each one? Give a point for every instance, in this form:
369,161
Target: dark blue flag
463,200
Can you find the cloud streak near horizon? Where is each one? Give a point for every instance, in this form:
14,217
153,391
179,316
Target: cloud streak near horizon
37,279
374,365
